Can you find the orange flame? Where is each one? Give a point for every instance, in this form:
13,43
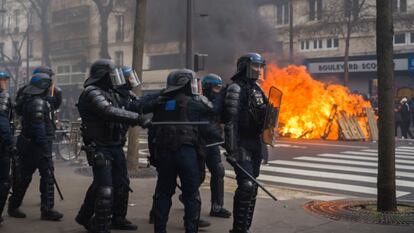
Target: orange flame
307,103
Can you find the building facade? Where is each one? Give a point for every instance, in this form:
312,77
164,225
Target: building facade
321,29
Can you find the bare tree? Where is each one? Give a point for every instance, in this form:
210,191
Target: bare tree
42,9
105,8
343,18
12,63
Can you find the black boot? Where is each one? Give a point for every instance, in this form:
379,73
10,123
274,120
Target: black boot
83,221
203,223
16,199
220,212
103,208
120,209
48,200
4,192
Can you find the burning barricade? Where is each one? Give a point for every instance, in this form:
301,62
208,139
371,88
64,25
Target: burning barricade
312,109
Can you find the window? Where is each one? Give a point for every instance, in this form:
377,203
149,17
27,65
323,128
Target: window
1,52
282,13
351,8
336,43
399,6
119,58
15,50
17,21
400,39
315,10
319,44
120,28
411,37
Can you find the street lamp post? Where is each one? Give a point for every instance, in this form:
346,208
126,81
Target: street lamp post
189,36
29,27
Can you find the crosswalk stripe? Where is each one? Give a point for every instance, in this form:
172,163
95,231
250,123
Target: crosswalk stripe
406,147
321,184
341,161
376,154
398,152
332,175
336,167
340,156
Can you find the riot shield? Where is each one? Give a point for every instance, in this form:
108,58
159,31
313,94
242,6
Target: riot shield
272,116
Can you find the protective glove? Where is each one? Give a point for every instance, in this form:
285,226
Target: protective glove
231,158
144,122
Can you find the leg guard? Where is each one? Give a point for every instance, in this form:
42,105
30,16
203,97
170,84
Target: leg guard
217,185
242,201
192,214
103,207
252,206
47,190
19,190
87,209
119,210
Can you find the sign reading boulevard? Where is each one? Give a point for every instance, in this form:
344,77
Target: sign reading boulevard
354,66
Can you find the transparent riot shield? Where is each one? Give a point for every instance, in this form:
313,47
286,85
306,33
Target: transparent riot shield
272,116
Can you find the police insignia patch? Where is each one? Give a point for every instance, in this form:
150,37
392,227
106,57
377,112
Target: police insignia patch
170,105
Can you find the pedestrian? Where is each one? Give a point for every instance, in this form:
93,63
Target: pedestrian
212,86
411,104
102,120
176,143
7,144
398,119
34,146
245,109
406,118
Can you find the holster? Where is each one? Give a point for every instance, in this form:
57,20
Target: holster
90,151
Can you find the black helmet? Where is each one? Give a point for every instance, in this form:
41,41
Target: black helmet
39,83
44,70
104,68
178,79
253,64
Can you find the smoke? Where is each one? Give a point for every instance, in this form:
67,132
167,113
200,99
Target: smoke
223,29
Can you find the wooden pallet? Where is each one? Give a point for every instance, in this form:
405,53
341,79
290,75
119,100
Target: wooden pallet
349,127
331,118
372,124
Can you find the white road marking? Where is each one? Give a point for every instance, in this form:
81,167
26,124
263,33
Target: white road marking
341,156
376,154
397,152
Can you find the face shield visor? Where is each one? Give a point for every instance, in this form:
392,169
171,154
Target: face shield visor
117,78
133,79
256,71
195,86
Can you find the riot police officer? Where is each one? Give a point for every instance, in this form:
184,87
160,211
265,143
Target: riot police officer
245,107
35,147
102,122
212,85
130,102
7,144
176,143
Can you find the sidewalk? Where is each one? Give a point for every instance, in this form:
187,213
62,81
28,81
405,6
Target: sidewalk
285,216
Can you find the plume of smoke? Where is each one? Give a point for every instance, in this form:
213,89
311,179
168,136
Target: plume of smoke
232,28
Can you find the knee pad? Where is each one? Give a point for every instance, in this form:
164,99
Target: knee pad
105,192
246,189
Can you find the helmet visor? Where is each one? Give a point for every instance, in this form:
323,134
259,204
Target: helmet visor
194,86
256,71
133,79
117,78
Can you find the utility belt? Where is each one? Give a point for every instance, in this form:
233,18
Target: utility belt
102,134
95,158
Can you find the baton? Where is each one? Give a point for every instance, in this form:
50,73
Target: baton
215,144
253,179
56,184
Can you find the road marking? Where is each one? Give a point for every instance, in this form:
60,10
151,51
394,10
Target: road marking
341,156
332,175
376,154
329,145
320,184
341,161
336,167
406,147
398,152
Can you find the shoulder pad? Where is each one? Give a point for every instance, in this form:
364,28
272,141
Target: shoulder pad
234,87
4,104
205,101
96,96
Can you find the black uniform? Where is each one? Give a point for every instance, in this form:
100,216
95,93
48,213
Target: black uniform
102,132
7,147
34,145
245,106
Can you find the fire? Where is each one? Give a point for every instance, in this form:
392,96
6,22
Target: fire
307,103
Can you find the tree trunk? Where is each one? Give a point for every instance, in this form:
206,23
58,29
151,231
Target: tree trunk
346,56
291,31
138,56
104,53
387,200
